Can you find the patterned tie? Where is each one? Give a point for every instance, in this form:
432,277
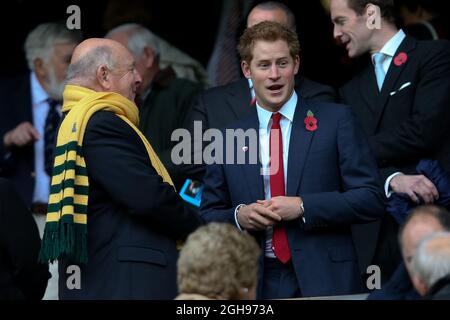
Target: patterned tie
50,131
279,240
228,64
378,59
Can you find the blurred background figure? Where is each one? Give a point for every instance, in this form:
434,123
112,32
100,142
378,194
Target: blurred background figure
218,262
223,66
30,112
423,19
21,276
422,222
146,13
164,99
431,267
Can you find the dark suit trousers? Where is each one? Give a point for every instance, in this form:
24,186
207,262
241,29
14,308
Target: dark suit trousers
279,280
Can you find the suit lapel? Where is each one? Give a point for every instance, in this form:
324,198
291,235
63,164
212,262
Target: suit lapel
252,172
368,87
25,107
24,101
239,98
299,145
392,77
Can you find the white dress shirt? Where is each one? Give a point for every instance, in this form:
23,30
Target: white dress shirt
40,109
265,123
389,50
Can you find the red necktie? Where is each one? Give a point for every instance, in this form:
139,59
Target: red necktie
279,240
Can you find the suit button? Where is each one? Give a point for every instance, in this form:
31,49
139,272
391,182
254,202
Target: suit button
33,174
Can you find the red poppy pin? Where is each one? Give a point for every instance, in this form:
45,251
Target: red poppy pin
400,59
310,121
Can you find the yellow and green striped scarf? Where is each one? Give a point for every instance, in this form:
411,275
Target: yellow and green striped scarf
66,226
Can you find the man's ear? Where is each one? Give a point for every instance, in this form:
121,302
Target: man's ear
245,66
419,285
149,57
372,16
103,77
39,68
296,64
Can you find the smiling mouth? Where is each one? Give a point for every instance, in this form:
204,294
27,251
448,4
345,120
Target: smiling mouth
275,87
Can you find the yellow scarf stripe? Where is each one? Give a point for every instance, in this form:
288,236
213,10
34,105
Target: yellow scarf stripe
65,229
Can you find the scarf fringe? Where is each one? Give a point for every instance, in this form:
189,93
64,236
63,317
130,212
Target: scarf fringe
64,239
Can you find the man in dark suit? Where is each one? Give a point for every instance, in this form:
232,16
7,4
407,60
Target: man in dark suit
402,100
134,217
166,99
25,103
220,106
29,115
21,276
316,176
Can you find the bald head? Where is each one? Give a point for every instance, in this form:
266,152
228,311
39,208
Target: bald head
104,65
87,47
418,228
431,262
272,11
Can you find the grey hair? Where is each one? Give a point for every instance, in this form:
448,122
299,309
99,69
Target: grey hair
84,70
274,5
139,37
41,40
432,264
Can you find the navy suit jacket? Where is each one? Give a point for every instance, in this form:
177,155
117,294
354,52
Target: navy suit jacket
220,106
334,172
406,122
17,164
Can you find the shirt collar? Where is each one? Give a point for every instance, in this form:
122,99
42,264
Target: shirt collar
391,47
38,94
287,111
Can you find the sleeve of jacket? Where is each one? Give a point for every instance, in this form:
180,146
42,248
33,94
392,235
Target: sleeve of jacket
19,238
216,203
117,160
196,117
187,97
361,198
423,130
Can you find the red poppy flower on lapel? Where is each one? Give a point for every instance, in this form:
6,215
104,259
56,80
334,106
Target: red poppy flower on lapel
310,121
400,59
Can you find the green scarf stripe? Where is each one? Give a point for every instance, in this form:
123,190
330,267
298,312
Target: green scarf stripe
70,165
70,183
64,239
78,208
71,146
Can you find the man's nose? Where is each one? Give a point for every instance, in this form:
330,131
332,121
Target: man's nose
337,33
274,72
137,78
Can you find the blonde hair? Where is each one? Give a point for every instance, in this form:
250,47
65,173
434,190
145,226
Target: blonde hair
218,261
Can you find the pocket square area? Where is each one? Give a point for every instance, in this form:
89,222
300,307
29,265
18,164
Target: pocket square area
405,85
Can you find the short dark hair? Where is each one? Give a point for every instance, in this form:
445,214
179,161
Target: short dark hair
274,5
432,6
387,7
439,213
267,31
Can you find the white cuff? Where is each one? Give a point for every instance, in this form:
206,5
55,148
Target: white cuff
235,215
388,182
